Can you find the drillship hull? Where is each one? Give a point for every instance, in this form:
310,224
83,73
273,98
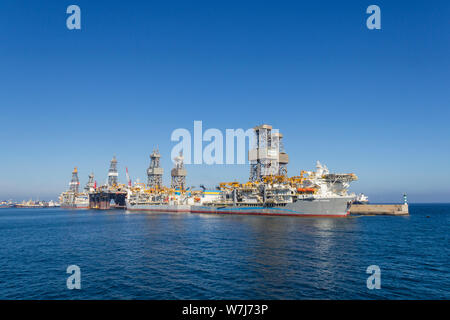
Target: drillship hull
28,207
158,207
321,207
75,206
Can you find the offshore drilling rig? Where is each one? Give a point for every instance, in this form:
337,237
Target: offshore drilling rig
72,198
100,198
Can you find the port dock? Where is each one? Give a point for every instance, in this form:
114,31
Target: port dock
380,209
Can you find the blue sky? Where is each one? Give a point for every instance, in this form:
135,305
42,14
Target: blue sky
372,102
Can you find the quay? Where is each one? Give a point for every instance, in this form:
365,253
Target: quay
380,209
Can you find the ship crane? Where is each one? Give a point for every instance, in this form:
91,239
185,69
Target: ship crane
128,177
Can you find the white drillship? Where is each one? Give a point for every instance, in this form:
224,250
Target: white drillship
314,193
318,193
269,192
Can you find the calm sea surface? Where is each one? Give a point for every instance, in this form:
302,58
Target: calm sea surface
191,256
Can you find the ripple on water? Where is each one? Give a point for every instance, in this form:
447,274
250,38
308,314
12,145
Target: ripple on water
182,256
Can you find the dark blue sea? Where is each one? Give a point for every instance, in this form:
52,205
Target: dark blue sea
191,256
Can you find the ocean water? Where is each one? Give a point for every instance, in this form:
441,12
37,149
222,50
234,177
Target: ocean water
191,256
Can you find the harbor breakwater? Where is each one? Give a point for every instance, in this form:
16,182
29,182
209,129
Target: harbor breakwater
380,209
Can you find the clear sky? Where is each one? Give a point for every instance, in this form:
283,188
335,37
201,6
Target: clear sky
372,102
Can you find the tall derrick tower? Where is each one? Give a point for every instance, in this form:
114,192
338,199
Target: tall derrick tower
90,183
179,173
154,171
112,173
283,158
268,157
74,183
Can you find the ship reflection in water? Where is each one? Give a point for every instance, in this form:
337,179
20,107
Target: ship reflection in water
278,260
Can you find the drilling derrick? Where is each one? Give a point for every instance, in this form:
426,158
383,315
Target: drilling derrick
179,173
90,183
111,195
112,173
283,158
154,171
267,158
74,183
